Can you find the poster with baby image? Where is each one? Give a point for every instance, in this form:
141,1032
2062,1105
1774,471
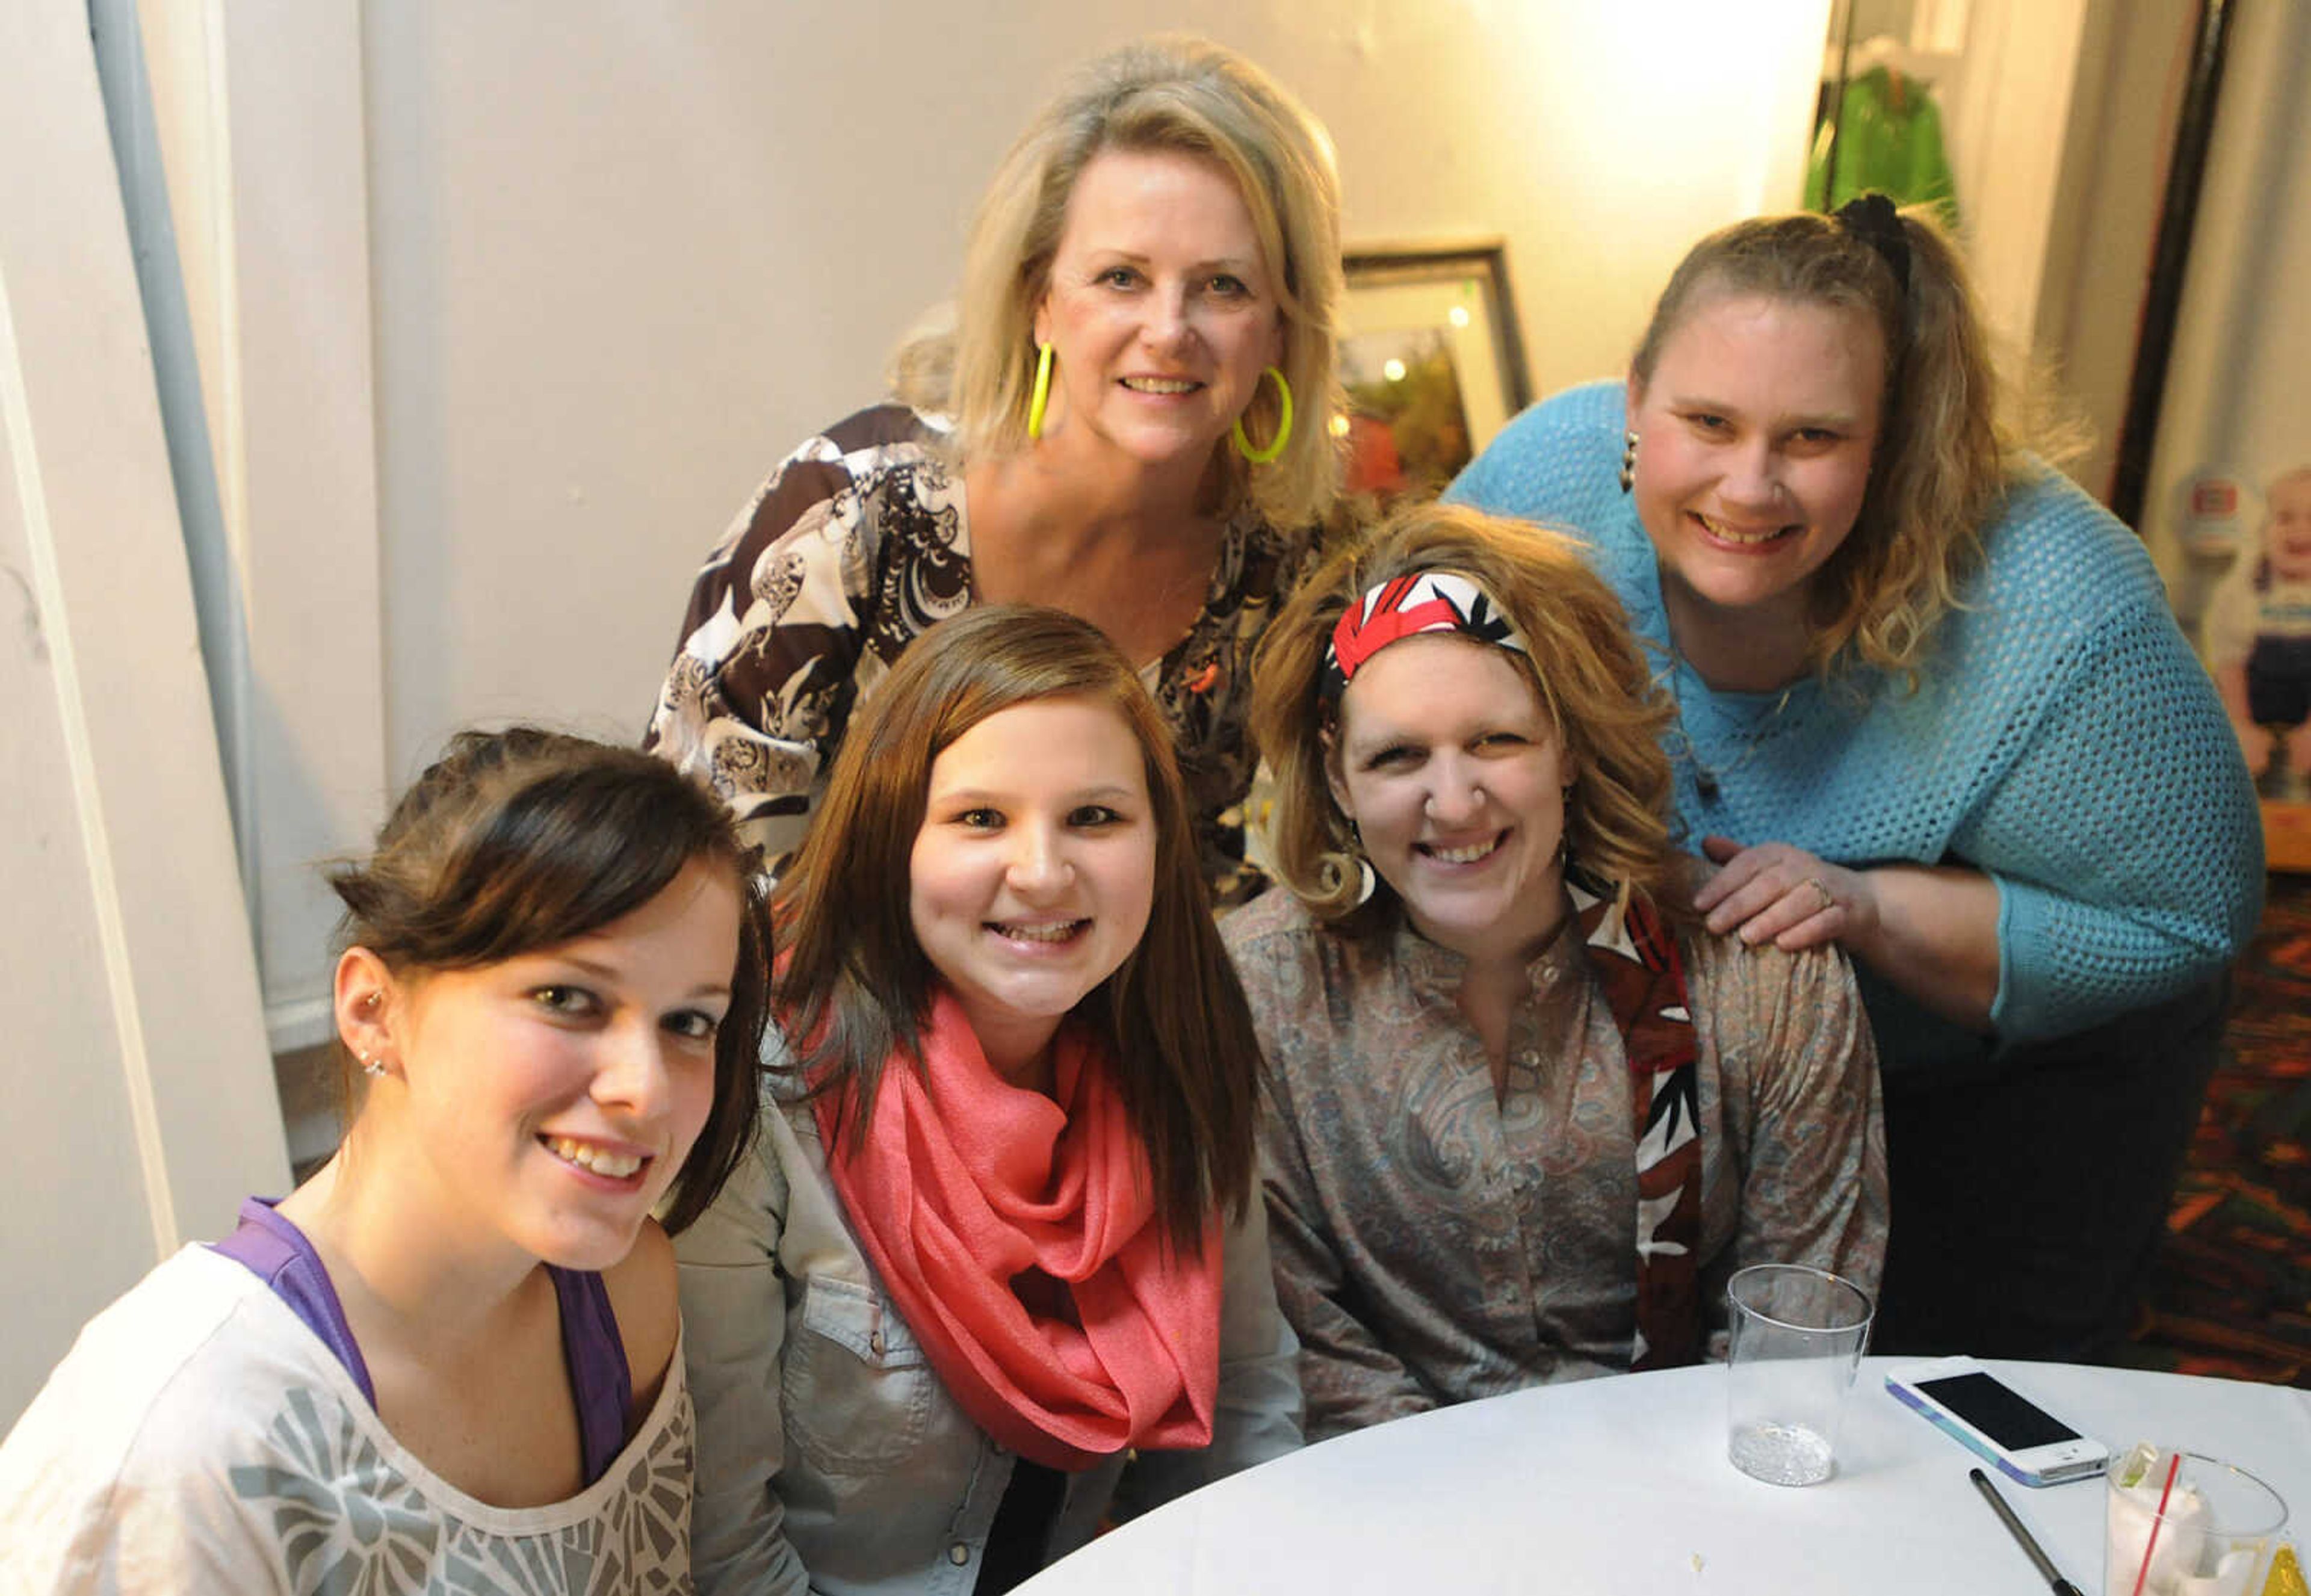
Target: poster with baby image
2247,601
2258,641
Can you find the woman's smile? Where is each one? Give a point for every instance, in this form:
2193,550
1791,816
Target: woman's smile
619,1168
1755,436
600,1071
1159,314
1449,766
1462,853
1037,934
1161,387
1754,534
1031,875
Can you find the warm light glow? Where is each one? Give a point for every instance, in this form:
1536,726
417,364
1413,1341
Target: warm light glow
1458,316
1393,370
1340,426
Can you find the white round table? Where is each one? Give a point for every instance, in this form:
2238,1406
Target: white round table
1621,1485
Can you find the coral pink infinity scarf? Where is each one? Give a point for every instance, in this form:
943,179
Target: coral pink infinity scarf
965,1183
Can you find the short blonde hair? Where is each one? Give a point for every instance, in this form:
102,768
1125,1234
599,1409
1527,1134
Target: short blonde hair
1585,664
1944,455
1166,93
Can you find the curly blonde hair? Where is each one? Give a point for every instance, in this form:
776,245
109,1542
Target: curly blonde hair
1586,666
1945,456
1191,97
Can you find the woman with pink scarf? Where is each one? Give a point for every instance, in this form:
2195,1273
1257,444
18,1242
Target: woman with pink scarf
1001,1227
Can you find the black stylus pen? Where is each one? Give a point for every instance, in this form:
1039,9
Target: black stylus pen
2030,1548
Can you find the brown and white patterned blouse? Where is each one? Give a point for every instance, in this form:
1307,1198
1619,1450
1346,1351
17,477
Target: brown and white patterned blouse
860,541
1435,1241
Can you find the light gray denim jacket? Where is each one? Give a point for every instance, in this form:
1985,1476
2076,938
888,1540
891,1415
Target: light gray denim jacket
830,1456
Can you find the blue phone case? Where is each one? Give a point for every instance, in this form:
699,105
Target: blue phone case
1972,1443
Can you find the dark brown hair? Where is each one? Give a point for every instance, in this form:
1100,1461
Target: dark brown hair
519,840
854,986
1593,681
1944,455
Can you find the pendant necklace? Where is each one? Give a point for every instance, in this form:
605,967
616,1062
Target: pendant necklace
1709,779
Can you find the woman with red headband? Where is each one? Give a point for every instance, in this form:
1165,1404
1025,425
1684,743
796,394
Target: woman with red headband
1524,1116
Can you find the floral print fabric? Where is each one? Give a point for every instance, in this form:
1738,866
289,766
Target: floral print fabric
859,542
199,1437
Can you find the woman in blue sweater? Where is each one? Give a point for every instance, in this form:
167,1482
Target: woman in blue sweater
1933,706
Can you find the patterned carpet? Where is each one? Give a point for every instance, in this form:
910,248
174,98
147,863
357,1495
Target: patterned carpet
2231,1291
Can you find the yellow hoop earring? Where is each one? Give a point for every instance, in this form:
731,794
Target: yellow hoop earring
1042,392
1261,457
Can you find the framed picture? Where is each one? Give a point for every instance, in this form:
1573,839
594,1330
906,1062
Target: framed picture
1432,359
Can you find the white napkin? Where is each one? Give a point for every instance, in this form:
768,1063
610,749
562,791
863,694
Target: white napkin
2189,1541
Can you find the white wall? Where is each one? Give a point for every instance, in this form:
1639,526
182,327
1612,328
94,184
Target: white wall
622,262
496,314
583,272
2058,116
134,1070
2236,393
621,267
2009,148
2136,62
257,115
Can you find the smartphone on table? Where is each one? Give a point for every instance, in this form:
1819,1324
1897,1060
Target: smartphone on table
1984,1414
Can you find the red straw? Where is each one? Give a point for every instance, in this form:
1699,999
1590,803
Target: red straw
2173,1463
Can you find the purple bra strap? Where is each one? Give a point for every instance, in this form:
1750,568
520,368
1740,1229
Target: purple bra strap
599,1380
277,1252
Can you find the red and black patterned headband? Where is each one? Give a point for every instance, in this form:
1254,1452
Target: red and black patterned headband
1405,606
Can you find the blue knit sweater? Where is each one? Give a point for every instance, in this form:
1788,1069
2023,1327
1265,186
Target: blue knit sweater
2065,741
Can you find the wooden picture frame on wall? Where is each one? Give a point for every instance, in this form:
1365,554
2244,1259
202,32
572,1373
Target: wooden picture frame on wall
1432,361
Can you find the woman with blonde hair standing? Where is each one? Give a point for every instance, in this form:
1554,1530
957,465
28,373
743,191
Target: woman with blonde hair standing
1933,709
1130,422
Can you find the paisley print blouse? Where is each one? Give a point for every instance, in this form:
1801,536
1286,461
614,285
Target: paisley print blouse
1436,1240
860,541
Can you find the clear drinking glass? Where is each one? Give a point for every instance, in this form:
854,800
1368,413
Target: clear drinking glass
1797,1335
2216,1537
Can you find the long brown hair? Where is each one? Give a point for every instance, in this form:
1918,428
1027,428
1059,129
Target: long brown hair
1944,453
1593,681
519,840
853,986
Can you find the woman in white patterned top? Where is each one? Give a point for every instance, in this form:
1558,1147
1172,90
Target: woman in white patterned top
1130,422
1524,1116
450,1360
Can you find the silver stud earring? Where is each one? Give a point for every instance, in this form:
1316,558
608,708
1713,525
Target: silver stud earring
372,1067
1629,462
